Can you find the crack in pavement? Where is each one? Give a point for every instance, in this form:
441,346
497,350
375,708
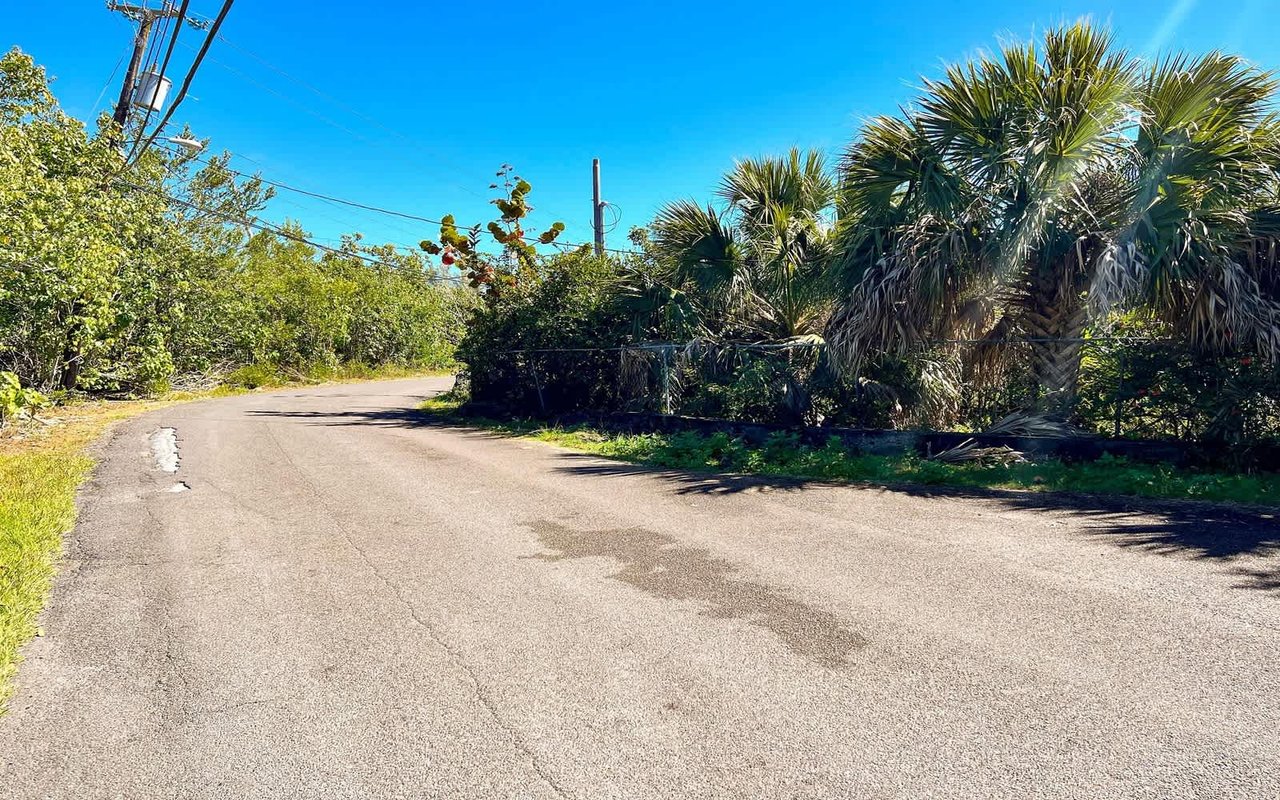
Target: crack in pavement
478,689
229,707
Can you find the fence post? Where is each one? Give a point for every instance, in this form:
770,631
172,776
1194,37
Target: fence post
1120,372
537,384
666,381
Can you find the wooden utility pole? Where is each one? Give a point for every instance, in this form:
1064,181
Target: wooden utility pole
146,19
597,216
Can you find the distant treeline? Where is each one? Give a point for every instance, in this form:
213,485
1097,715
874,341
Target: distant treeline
119,280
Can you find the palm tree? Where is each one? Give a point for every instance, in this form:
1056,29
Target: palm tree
755,268
1031,193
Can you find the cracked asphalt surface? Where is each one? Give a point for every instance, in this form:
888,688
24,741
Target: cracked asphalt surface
351,601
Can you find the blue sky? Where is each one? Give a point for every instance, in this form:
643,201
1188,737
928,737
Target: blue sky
414,105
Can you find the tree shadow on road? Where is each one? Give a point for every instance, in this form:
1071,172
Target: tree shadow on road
1246,538
374,417
1203,531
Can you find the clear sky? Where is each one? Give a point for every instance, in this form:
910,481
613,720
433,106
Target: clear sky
413,105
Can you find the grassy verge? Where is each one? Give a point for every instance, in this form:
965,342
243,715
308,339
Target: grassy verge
785,455
42,466
40,469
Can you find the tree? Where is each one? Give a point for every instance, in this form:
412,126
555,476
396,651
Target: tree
754,268
115,280
1031,192
518,259
63,239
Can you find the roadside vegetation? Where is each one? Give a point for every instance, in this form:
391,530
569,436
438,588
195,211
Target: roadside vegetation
128,280
1056,239
784,455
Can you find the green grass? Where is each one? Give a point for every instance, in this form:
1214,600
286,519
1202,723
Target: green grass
40,470
38,506
41,467
784,455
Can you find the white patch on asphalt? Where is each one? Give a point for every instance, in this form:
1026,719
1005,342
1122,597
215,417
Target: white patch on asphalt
164,448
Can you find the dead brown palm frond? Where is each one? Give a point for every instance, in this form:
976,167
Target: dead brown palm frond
970,452
1024,423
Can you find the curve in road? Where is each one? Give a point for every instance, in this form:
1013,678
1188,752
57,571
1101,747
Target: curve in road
335,597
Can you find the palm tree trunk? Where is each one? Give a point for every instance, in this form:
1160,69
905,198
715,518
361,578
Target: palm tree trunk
1055,322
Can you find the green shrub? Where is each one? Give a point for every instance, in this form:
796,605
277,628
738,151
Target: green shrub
111,287
17,401
254,376
573,303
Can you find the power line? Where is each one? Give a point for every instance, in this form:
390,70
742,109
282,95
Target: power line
307,109
344,107
106,86
412,249
191,72
183,153
377,209
153,44
214,33
164,66
418,144
258,225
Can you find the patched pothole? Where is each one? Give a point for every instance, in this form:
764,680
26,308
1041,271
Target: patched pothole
164,449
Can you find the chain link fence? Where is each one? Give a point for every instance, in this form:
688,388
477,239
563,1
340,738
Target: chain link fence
1123,388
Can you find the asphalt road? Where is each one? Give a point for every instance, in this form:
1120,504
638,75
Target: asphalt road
351,602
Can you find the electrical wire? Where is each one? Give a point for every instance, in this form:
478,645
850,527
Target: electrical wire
127,52
201,55
416,143
164,67
265,227
617,217
376,209
310,111
349,110
191,74
153,42
344,222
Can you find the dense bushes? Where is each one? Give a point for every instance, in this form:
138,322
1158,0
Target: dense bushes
1091,248
116,280
1161,389
574,337
542,345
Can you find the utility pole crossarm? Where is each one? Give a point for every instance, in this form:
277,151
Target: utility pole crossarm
146,19
140,13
